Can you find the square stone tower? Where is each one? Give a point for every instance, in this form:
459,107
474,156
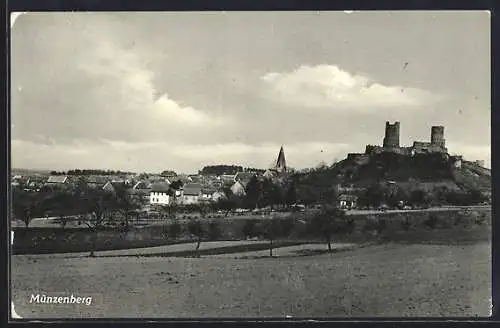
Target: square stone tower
437,136
391,139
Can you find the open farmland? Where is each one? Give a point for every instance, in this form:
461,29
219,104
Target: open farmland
384,280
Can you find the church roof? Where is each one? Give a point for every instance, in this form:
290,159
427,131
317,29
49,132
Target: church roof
281,163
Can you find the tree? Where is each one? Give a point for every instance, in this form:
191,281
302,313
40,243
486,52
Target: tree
98,204
214,230
176,185
196,229
122,205
286,226
270,230
27,205
174,230
253,193
291,194
397,196
326,224
419,197
229,203
250,229
374,195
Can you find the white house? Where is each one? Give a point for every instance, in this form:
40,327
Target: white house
347,201
159,194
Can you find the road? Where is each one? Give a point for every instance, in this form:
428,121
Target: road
432,209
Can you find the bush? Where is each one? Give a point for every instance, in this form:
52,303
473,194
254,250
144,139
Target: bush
480,219
406,224
431,222
250,229
286,227
214,231
382,224
174,230
349,225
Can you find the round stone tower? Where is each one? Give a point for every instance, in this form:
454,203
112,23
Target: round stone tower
391,139
437,136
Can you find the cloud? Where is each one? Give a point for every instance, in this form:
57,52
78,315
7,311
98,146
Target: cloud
331,87
105,88
182,157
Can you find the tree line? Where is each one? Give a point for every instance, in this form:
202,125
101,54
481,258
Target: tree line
85,172
227,169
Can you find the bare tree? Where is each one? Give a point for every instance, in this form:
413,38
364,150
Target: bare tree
26,205
271,230
98,204
196,229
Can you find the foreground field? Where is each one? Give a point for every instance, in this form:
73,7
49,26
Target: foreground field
385,280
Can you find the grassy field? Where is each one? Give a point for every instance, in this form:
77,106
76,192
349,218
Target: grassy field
383,280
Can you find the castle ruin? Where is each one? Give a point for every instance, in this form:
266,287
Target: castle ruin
391,144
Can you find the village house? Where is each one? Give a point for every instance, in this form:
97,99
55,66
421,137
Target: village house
35,182
216,183
54,180
17,181
346,201
97,182
244,177
238,189
141,191
227,179
109,187
218,195
191,193
206,195
160,194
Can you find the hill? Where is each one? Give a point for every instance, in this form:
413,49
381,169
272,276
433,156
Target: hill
425,171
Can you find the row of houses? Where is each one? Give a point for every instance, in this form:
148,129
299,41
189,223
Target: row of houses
191,193
153,190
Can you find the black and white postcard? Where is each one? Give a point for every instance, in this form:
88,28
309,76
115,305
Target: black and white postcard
286,165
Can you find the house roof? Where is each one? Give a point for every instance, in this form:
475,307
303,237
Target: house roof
349,198
97,179
160,187
138,191
208,191
192,189
244,176
57,179
37,178
142,185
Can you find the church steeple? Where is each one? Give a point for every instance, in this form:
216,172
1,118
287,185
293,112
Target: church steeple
281,163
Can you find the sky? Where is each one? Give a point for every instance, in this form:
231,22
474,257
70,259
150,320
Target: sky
152,91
